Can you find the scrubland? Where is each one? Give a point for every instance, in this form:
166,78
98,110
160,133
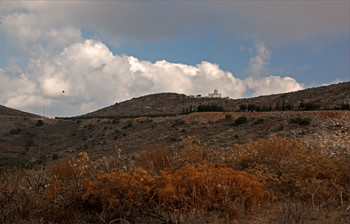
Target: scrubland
274,180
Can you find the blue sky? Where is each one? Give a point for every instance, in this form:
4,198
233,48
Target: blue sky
313,67
104,52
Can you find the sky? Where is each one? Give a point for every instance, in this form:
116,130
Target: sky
72,57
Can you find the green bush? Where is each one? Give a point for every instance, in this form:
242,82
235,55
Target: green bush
173,139
259,121
251,107
15,131
241,120
345,107
209,108
228,116
54,156
242,107
39,123
116,121
301,121
90,126
178,122
309,106
128,125
305,121
42,159
29,143
12,162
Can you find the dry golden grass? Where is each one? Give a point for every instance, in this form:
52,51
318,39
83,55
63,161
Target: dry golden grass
296,183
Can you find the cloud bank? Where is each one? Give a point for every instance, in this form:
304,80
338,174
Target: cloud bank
86,76
56,67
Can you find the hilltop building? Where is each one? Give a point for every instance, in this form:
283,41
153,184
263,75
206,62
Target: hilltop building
215,94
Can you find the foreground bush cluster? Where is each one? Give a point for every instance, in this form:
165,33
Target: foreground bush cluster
195,184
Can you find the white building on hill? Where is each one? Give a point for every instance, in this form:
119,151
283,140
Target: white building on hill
216,94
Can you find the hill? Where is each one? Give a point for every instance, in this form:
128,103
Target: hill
325,97
6,111
128,126
300,157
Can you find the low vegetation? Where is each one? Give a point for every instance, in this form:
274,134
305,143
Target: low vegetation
240,120
39,123
283,179
301,121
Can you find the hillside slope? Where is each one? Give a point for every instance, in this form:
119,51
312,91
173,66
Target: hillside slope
99,135
6,111
327,97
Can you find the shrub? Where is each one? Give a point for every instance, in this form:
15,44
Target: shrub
42,159
208,187
155,161
192,187
128,125
228,116
90,126
116,121
309,106
209,108
29,143
345,107
242,107
288,107
266,108
178,122
64,169
160,186
54,156
251,107
15,131
241,120
39,123
305,121
288,168
259,121
12,162
301,121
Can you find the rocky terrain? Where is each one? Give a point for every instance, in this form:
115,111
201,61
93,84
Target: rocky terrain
101,132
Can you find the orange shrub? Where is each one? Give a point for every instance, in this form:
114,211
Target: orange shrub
156,160
116,190
208,187
272,152
62,169
287,167
200,187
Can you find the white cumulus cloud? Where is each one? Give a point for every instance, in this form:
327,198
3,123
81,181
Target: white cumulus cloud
262,85
86,76
273,85
258,63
